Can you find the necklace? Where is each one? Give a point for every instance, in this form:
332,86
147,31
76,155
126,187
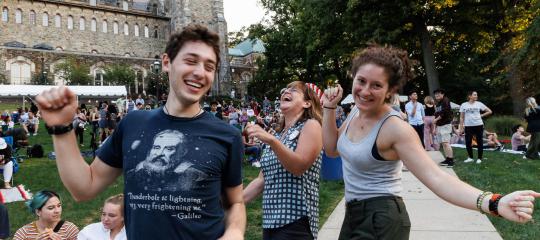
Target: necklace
194,116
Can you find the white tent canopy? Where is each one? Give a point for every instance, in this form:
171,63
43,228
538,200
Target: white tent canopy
81,91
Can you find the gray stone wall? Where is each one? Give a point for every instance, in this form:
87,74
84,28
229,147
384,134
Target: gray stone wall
84,41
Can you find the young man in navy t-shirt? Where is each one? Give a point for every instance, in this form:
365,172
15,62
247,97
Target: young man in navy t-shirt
181,165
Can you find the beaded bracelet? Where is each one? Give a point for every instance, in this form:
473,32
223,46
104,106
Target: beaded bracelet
480,200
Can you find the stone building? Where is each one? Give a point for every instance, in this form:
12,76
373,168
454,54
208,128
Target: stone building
36,35
243,66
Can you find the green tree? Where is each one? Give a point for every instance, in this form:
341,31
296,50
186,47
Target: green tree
157,83
41,79
120,74
458,43
74,72
3,79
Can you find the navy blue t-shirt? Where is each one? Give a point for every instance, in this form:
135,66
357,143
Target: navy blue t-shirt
175,171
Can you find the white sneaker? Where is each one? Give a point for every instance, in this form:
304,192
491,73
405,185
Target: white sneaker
468,160
478,161
256,164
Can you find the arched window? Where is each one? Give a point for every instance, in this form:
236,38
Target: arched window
82,23
146,33
92,2
45,19
58,21
5,14
32,17
70,22
115,27
93,24
20,69
156,35
104,26
18,16
126,29
136,30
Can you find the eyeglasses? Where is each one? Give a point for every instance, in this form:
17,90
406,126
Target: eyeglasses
290,90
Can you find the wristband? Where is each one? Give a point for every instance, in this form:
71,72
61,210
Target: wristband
494,204
59,129
329,107
480,200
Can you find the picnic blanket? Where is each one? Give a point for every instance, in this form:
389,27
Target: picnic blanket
14,194
491,149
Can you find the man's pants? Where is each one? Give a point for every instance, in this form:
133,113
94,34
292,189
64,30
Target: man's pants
420,131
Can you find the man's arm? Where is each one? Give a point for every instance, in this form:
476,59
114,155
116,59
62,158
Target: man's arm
58,106
235,219
83,181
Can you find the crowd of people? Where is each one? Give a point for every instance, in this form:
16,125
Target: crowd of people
182,162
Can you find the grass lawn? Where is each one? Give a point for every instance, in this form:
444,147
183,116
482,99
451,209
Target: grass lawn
504,173
37,174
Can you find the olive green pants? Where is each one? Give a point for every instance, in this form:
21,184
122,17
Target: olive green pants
376,218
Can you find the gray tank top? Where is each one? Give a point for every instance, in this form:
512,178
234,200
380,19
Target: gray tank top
366,176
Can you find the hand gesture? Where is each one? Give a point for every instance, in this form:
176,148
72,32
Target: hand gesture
57,105
332,96
255,131
518,206
48,234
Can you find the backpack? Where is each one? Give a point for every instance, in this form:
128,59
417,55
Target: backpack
36,151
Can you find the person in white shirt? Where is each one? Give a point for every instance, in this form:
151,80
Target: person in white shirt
415,115
112,222
139,100
471,122
31,124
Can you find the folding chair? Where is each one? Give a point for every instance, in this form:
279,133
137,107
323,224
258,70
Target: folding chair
9,141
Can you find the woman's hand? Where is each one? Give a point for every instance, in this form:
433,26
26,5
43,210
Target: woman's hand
255,131
332,96
518,206
48,234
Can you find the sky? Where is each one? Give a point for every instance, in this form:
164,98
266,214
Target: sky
240,13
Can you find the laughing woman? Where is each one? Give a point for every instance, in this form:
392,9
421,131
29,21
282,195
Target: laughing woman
374,143
291,163
47,207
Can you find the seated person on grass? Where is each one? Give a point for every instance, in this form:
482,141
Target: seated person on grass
519,141
5,162
31,124
492,140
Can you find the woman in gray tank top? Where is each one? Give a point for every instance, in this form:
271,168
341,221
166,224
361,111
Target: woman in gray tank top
290,167
373,140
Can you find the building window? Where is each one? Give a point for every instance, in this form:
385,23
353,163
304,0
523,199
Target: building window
70,22
32,17
93,24
156,35
45,19
146,33
5,13
136,30
126,29
18,16
104,26
58,21
92,2
20,73
115,27
94,51
82,24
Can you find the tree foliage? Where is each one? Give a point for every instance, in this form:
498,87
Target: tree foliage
458,45
74,72
120,74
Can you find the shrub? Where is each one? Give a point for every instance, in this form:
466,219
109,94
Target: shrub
502,125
